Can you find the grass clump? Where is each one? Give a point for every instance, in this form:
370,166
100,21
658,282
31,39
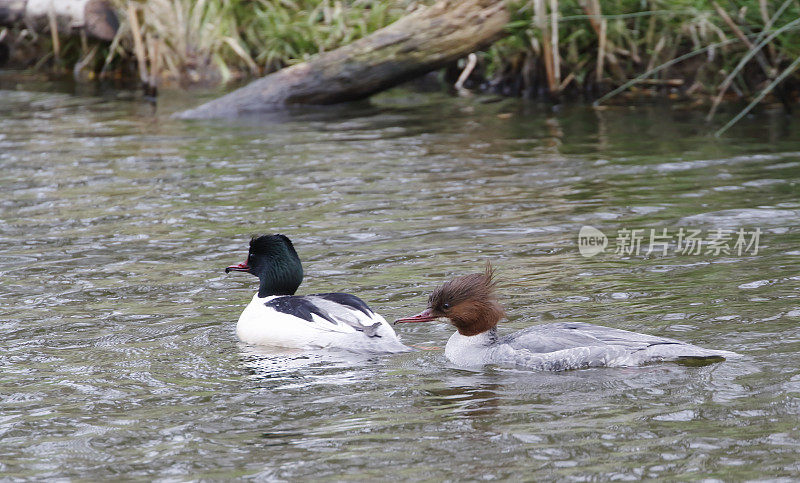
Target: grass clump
212,41
600,45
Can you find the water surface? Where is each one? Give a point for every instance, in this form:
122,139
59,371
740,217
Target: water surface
119,357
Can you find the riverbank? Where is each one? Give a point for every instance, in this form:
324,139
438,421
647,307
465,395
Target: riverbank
699,49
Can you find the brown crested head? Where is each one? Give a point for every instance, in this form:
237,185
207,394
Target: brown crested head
469,302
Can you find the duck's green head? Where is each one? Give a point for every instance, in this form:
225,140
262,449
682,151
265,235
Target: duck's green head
274,261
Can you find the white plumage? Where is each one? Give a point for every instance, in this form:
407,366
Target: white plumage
341,327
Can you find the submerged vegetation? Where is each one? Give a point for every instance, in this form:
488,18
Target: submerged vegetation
739,48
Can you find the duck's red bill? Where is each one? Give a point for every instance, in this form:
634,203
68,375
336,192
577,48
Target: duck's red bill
424,316
242,267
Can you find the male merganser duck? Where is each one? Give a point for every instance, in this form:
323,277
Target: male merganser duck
470,304
277,317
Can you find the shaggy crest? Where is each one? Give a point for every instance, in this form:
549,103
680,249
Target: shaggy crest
469,302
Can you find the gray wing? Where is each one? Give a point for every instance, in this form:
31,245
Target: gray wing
569,335
621,345
362,319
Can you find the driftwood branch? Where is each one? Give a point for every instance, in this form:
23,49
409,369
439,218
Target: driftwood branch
420,42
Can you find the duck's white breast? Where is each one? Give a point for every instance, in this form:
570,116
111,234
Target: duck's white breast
261,323
469,350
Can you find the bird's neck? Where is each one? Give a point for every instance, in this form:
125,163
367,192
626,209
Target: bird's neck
470,349
475,318
484,338
279,279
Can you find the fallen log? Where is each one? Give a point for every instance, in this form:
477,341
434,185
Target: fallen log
425,40
96,17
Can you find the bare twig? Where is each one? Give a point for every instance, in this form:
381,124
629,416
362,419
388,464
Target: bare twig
472,60
601,50
82,63
554,39
597,20
753,51
51,18
112,49
762,5
592,9
547,48
656,52
738,32
138,45
662,82
154,47
566,81
792,67
663,66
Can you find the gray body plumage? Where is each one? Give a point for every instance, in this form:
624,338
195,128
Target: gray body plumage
572,345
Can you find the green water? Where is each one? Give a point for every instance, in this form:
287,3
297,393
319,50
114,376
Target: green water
119,358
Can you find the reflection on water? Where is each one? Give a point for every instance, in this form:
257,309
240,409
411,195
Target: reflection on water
119,355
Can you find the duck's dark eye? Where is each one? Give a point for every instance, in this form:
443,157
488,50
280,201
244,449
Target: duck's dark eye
445,306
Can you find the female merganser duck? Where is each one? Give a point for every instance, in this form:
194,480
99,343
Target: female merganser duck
277,317
469,303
